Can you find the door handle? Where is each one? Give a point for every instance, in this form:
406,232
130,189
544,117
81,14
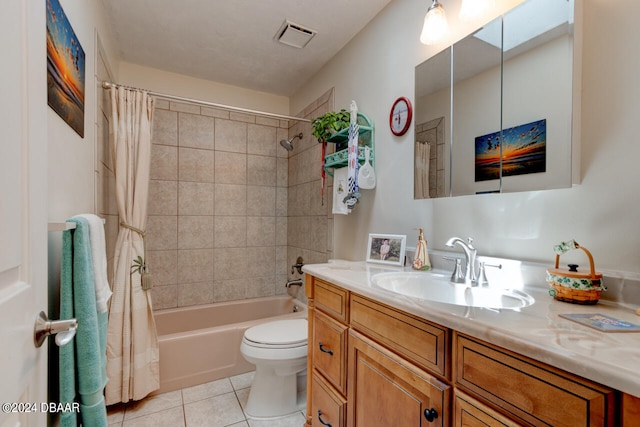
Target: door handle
64,330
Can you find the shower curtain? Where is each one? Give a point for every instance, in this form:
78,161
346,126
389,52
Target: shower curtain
132,342
422,154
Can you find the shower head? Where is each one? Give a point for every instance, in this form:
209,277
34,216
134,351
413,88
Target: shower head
287,143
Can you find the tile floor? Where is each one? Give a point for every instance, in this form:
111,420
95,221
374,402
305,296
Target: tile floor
216,404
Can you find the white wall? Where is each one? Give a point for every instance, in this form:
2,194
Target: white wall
71,158
601,213
205,90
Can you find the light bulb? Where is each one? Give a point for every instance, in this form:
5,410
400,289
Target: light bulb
472,9
435,26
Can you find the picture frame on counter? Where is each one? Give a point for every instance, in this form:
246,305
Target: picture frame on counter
386,249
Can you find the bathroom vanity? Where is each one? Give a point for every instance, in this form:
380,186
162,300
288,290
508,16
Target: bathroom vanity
378,358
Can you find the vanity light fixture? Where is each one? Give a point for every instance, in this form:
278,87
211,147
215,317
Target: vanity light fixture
435,26
472,9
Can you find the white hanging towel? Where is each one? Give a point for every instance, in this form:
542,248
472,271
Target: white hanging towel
99,259
340,191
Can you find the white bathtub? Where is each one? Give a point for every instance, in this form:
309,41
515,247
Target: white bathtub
202,343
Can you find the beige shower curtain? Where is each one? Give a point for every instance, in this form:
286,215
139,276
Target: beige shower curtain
132,342
422,155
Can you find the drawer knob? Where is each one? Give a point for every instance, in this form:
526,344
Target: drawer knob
324,350
321,421
430,414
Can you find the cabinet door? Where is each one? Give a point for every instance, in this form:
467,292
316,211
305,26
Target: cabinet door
387,390
468,412
328,408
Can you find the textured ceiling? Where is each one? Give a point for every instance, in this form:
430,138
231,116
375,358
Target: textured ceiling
232,41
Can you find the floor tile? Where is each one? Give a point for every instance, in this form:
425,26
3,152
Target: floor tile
115,413
293,420
153,404
243,396
220,410
243,380
240,424
204,391
173,417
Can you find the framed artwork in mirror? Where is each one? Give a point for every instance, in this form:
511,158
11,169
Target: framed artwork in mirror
386,248
524,151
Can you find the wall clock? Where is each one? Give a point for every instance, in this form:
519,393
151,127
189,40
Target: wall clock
400,116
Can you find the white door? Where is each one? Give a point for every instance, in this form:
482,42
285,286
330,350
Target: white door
23,210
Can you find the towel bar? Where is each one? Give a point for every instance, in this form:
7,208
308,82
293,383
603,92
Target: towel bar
62,226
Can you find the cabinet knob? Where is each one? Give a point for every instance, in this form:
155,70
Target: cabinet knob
324,350
321,421
430,414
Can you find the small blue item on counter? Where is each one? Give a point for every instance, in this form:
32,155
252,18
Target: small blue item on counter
601,322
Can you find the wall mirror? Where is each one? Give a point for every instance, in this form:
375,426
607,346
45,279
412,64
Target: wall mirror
494,111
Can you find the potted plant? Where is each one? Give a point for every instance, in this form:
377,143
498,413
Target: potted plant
329,123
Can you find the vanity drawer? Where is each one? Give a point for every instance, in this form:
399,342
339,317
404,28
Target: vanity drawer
331,299
414,338
530,391
330,350
468,412
327,406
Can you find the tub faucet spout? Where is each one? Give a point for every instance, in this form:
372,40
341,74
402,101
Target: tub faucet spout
295,282
470,253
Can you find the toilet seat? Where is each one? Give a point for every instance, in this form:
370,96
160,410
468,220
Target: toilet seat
290,333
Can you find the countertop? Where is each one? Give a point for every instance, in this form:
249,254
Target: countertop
537,331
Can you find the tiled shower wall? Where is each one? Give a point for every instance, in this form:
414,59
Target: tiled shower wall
310,223
229,210
217,225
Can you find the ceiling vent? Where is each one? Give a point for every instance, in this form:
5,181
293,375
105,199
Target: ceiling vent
294,35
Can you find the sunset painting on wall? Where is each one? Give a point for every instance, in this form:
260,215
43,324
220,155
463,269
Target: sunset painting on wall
524,151
65,68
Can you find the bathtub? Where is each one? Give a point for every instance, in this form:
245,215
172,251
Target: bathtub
202,343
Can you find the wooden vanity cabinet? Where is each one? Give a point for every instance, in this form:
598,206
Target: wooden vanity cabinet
373,365
381,366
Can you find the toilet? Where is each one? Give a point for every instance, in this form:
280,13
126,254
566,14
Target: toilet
279,351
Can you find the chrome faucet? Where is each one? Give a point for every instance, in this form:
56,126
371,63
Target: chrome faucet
470,254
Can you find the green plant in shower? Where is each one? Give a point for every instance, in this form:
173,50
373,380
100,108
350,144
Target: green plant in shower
329,123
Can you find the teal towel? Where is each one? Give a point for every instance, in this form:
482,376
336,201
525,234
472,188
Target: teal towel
90,336
67,353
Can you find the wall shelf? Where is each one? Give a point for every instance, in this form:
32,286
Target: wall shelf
366,138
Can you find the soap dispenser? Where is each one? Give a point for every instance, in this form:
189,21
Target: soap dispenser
421,259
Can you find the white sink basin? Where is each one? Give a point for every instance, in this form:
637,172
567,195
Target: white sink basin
437,288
